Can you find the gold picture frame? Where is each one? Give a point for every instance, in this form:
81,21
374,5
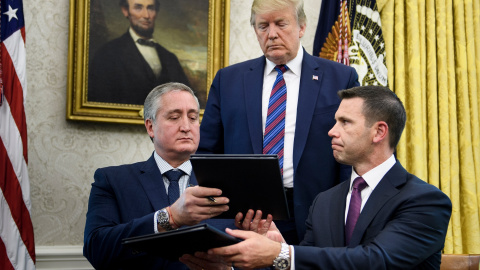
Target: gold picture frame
81,109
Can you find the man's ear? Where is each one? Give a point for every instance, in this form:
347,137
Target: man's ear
303,27
149,127
125,11
381,131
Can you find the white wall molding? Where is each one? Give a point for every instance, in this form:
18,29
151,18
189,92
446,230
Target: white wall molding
61,257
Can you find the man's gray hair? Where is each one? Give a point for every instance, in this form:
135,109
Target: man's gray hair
154,98
265,6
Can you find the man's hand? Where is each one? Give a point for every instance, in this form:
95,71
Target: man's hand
193,205
256,224
256,251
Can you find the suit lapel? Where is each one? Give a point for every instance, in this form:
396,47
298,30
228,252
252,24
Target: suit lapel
253,83
307,99
337,233
131,56
385,190
152,183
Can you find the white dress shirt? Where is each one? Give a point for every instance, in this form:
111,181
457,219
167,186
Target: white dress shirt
183,182
372,178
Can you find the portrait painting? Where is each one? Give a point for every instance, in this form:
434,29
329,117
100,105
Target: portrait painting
128,47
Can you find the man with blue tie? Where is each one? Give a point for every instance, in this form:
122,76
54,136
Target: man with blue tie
154,195
383,218
301,90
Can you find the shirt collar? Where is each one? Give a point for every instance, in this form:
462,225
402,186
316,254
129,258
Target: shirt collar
163,166
294,65
376,174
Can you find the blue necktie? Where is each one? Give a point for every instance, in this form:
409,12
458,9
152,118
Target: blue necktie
173,188
354,209
275,124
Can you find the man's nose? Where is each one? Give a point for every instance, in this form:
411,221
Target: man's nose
145,13
185,124
332,132
272,32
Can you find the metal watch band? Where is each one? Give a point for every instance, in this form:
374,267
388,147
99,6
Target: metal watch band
282,262
163,219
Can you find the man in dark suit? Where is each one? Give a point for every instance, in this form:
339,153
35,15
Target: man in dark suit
139,199
125,69
236,110
392,220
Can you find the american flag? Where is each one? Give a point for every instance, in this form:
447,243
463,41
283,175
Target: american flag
17,246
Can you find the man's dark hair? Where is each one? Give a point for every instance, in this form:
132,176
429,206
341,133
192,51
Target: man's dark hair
124,3
380,104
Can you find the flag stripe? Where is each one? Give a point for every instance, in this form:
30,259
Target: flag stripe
14,207
4,261
12,143
16,251
13,85
15,45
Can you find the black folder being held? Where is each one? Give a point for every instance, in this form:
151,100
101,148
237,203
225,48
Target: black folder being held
171,245
249,181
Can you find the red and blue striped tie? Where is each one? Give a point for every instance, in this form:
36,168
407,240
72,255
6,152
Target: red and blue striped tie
275,124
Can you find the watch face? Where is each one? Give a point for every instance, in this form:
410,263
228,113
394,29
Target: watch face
282,263
162,217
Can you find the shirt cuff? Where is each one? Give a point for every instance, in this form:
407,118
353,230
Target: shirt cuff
292,258
155,219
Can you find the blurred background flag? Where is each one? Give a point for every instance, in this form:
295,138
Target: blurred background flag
17,246
350,32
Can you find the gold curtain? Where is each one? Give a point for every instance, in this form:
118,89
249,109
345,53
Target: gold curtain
433,60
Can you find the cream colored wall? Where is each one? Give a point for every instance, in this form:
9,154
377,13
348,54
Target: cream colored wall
63,155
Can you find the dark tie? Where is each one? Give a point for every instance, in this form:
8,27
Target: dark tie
354,209
146,42
173,188
275,124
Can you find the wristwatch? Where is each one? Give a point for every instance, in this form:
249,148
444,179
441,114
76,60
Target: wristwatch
163,219
282,262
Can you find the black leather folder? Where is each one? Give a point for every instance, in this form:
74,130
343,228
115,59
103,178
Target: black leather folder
249,181
172,245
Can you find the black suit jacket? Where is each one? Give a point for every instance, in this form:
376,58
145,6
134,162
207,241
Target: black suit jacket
120,74
402,226
122,204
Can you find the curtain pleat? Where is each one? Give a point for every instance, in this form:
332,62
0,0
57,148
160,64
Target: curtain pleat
433,59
